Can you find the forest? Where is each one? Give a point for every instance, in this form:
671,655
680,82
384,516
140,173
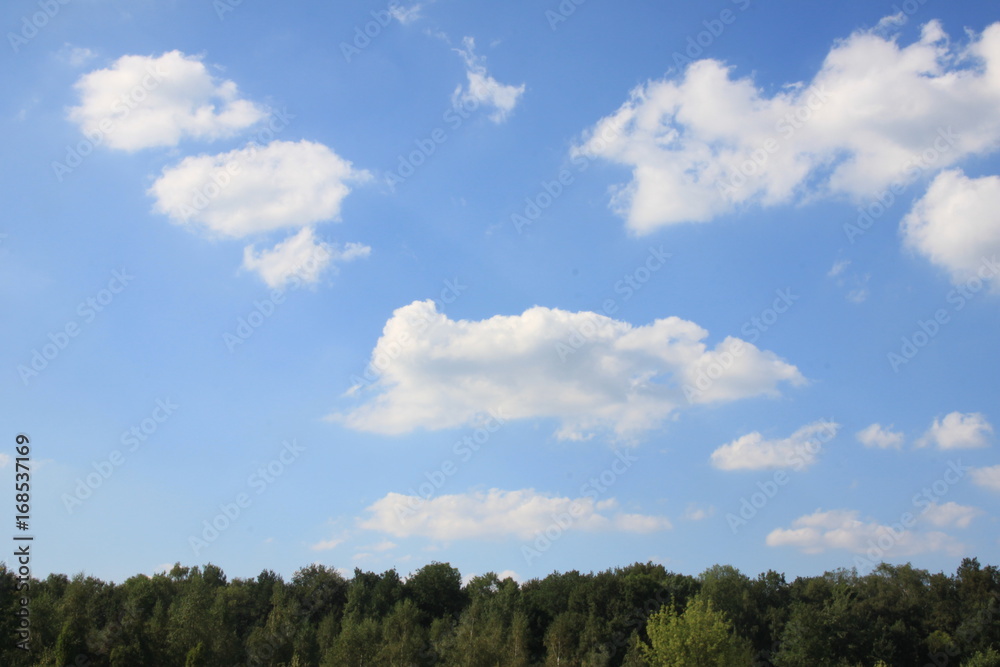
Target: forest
643,614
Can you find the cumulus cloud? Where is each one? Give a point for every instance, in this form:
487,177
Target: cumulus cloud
261,189
299,257
842,529
256,189
482,89
4,460
881,437
950,514
498,514
146,101
707,143
988,478
753,452
956,226
585,370
958,431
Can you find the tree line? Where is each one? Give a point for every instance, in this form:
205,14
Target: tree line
643,614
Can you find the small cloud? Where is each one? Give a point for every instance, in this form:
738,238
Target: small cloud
405,15
4,460
838,268
299,257
876,435
950,514
697,513
327,545
483,89
753,452
988,478
75,56
842,529
958,431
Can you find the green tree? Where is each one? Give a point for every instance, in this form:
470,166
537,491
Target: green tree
702,636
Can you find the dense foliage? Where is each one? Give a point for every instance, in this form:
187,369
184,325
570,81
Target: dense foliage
638,615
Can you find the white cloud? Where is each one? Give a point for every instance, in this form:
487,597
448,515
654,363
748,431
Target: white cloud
753,452
510,574
405,15
958,431
299,257
76,56
145,101
585,370
498,514
875,435
852,130
326,545
987,477
841,529
950,514
694,512
838,267
4,460
256,189
483,89
956,226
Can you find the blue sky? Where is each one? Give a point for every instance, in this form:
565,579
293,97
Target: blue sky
524,288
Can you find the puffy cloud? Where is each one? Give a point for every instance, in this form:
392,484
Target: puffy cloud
483,89
585,370
956,226
958,431
256,189
986,477
950,514
875,435
842,529
707,143
299,257
260,189
146,101
753,452
498,514
4,460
